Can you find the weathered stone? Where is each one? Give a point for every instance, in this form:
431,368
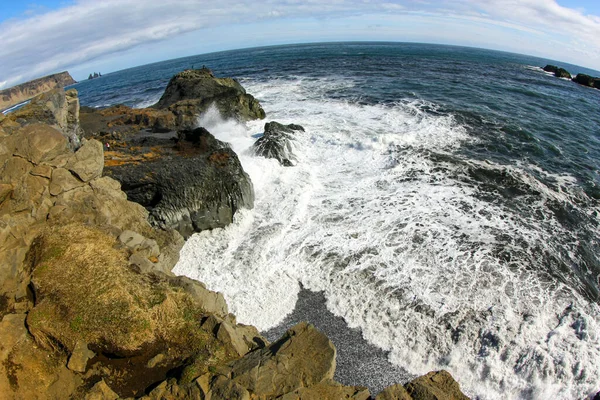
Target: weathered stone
154,361
193,187
101,391
131,239
394,392
39,143
14,170
88,161
171,390
79,357
276,142
191,92
223,388
63,181
227,334
436,385
329,390
303,357
211,302
44,171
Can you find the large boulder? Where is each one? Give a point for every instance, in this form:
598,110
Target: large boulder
276,142
192,92
195,185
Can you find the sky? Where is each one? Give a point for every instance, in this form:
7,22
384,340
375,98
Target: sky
40,37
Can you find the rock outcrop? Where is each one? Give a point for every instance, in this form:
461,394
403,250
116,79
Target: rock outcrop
192,185
192,92
25,91
587,80
558,72
55,108
276,142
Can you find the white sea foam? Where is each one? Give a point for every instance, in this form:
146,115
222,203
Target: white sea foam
383,217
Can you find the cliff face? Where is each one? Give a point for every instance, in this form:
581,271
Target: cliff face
25,91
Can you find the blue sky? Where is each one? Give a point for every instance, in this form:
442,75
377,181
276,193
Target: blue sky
40,37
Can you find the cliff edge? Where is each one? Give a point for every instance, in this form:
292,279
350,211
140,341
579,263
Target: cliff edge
25,91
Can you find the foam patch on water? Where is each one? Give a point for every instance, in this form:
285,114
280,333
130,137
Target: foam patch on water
408,244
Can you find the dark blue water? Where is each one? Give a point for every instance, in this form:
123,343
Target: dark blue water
509,154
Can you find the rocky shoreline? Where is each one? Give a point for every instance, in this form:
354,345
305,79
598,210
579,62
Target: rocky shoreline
89,308
582,79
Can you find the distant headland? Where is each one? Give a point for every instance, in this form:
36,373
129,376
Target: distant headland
25,91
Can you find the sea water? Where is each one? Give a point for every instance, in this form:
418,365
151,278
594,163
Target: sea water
445,202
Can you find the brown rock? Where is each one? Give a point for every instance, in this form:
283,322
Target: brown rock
303,357
211,302
14,170
63,181
80,356
394,392
329,390
44,171
436,385
223,388
38,143
101,391
88,161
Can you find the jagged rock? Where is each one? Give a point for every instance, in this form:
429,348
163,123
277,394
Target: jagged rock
211,302
558,72
276,142
27,90
303,357
191,92
587,80
328,390
54,108
80,357
439,385
101,391
394,392
191,187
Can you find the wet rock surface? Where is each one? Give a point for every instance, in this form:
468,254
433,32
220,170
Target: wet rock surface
276,143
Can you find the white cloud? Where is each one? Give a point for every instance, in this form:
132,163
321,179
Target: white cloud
90,29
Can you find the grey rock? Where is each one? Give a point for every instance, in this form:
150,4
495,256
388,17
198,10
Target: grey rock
80,356
276,142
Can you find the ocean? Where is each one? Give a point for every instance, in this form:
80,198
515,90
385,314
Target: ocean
445,204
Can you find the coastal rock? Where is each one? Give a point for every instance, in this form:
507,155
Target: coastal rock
558,72
120,121
276,142
394,392
101,391
438,385
192,92
190,187
55,108
303,357
27,90
88,161
328,390
587,80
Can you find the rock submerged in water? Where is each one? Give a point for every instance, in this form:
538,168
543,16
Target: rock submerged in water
276,142
558,72
587,80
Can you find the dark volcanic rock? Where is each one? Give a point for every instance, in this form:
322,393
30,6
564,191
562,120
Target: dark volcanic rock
558,72
276,142
587,80
195,185
192,92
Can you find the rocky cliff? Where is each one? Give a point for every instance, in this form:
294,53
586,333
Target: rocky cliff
25,91
90,310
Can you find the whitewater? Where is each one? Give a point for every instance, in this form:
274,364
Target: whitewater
388,218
